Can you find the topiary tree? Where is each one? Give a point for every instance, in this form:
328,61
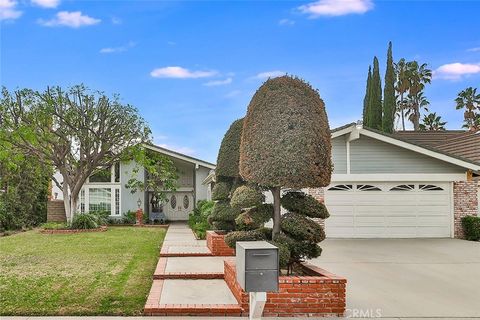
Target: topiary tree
228,179
285,139
246,197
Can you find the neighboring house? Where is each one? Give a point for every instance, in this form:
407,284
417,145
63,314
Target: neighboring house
401,185
106,190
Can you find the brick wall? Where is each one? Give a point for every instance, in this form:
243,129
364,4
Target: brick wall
56,211
320,295
465,203
216,244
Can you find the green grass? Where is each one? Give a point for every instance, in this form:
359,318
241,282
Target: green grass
101,273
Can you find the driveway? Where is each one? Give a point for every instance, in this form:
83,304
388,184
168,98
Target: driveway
406,277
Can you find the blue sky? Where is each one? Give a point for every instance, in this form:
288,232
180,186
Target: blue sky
192,67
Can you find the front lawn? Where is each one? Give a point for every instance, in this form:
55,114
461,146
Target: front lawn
103,273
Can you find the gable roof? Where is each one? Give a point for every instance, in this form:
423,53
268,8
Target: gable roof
428,138
465,145
180,156
446,155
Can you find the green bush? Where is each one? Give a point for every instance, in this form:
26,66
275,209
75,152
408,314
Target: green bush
222,225
255,217
299,202
229,152
222,211
198,219
221,191
102,217
284,253
286,137
471,228
84,221
299,250
54,226
130,217
246,197
252,235
300,227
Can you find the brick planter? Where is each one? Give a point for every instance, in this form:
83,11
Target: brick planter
69,231
320,295
216,244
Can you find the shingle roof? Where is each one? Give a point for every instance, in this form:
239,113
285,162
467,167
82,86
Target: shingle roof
465,145
428,138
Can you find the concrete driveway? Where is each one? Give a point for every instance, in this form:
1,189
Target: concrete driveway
407,277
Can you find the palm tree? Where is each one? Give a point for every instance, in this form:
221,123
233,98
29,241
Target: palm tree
413,107
469,100
417,77
432,122
401,87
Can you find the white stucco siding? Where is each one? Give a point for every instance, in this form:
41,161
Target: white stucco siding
339,155
129,199
201,189
368,155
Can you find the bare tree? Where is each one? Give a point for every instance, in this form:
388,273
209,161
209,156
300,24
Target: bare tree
77,131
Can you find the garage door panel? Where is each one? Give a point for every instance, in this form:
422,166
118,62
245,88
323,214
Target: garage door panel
387,214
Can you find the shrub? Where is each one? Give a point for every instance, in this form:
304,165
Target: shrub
224,212
221,191
246,197
299,202
286,137
102,217
302,228
223,225
471,228
283,253
84,221
54,226
255,217
252,235
299,250
198,219
229,153
130,217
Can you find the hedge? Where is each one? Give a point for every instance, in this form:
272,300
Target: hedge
299,202
302,228
471,228
246,197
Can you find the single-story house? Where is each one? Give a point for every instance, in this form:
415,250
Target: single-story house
107,191
409,184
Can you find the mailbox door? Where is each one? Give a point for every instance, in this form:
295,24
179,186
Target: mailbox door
261,281
261,259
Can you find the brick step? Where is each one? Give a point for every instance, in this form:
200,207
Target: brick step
209,310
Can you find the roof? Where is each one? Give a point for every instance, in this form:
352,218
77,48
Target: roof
180,156
428,138
460,154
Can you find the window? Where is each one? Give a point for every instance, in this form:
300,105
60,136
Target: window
104,175
186,202
173,201
367,187
341,187
100,199
429,187
117,201
403,187
117,172
82,201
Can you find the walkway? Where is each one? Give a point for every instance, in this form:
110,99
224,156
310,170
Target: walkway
188,279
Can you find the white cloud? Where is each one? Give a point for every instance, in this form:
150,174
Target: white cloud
123,48
183,150
180,73
218,82
286,22
334,8
233,94
8,10
46,3
477,49
455,71
74,19
270,74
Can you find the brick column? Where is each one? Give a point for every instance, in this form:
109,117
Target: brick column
465,203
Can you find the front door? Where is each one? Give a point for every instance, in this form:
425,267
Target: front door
179,205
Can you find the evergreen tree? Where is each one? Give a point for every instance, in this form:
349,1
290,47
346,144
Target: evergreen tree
374,108
389,94
367,96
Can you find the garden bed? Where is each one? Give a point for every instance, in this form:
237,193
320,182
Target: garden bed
320,294
68,231
216,244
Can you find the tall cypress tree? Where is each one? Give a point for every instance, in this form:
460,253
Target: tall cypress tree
374,113
366,99
389,94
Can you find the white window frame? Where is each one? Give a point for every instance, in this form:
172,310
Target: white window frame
112,198
112,177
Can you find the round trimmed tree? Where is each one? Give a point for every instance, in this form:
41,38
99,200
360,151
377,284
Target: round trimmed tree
285,139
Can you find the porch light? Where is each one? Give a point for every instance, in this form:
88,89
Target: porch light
139,203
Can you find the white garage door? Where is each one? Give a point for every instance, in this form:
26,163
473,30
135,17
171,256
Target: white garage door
388,210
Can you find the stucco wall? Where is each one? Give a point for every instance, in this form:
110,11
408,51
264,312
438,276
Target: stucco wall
129,199
201,190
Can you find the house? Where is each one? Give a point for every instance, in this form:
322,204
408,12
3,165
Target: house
106,190
401,185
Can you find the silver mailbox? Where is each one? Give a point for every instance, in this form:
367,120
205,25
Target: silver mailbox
257,266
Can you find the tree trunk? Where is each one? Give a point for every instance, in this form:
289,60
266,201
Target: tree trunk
402,109
416,117
276,211
66,203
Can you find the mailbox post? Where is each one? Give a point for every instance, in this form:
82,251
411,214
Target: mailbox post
257,272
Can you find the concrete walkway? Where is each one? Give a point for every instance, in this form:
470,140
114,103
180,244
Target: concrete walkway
188,279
